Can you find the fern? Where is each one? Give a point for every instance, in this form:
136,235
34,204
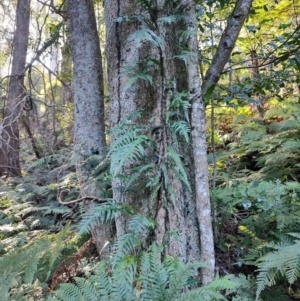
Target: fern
131,274
284,261
54,159
139,224
148,278
145,34
128,146
172,154
101,213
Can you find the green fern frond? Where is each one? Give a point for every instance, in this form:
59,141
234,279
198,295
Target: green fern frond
102,212
145,34
69,292
122,279
174,156
102,280
153,277
182,128
125,246
285,261
127,147
57,159
173,18
137,172
89,291
139,224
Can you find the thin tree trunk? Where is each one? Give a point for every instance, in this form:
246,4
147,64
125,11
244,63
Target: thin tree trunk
26,125
89,132
66,89
258,106
212,76
9,144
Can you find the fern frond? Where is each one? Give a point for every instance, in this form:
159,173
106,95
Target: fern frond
123,278
145,34
69,292
126,148
102,280
126,245
101,213
173,155
182,128
139,224
285,261
154,277
88,290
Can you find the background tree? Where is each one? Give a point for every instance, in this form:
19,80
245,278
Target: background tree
89,129
10,145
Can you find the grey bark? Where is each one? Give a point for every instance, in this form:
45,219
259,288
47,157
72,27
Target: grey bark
89,131
154,99
190,214
119,53
198,121
9,143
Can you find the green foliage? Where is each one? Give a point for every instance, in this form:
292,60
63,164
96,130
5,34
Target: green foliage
271,207
264,149
102,212
276,261
133,274
129,145
25,270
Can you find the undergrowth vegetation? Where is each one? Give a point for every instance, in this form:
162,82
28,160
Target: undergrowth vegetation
47,252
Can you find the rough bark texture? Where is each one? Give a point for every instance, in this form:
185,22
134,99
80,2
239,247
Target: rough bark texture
189,214
9,144
119,54
89,132
178,217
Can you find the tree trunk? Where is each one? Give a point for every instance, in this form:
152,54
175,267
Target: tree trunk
66,89
89,131
198,120
154,36
221,57
174,208
9,151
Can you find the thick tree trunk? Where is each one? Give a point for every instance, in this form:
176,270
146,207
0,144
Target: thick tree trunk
89,132
119,54
175,215
9,144
184,212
